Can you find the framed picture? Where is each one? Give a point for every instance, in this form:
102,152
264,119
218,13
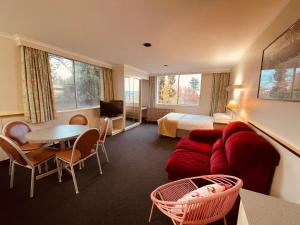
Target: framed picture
280,67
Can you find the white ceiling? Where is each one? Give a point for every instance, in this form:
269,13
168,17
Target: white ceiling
188,35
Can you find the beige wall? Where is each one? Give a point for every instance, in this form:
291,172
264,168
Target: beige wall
205,99
280,118
10,77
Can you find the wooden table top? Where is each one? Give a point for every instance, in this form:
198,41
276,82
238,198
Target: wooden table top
56,133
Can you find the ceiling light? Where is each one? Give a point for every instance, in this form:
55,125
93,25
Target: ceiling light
147,44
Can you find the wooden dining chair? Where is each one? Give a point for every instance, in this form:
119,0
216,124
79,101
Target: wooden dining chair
78,119
17,131
103,132
30,160
83,149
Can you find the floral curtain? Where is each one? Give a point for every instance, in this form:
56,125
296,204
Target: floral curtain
219,92
38,94
152,81
107,84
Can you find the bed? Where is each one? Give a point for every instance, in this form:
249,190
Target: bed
180,124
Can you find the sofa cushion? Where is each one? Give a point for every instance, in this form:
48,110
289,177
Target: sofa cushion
187,143
219,163
234,127
246,150
217,145
185,163
206,136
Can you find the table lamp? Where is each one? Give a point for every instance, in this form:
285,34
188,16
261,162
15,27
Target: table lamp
233,106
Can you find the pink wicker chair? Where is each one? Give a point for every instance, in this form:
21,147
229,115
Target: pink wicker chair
200,210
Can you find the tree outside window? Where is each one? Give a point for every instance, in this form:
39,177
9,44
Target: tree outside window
76,84
181,89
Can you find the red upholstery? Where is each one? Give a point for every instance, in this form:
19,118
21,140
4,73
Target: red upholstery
217,145
186,143
233,128
219,163
245,150
186,163
238,151
205,136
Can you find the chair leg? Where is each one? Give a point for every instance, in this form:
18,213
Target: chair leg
99,164
46,166
32,182
150,217
224,220
59,171
40,169
10,165
74,179
12,175
104,151
80,165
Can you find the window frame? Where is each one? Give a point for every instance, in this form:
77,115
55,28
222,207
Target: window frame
75,87
178,81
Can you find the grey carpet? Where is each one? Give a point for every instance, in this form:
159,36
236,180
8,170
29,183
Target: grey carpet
118,197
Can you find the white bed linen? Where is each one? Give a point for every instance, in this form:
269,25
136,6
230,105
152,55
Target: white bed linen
222,118
190,121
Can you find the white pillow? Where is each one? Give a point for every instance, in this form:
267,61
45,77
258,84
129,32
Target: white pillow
205,191
221,118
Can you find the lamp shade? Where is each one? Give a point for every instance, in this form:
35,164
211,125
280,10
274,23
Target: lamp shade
233,105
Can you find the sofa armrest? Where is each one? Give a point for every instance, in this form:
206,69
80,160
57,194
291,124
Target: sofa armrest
206,136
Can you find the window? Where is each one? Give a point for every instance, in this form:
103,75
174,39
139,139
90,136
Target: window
76,84
87,79
181,89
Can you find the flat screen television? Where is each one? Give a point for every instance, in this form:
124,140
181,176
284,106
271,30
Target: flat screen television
112,108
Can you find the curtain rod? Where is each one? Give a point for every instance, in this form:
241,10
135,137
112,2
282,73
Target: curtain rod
21,41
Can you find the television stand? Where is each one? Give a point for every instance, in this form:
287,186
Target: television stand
115,125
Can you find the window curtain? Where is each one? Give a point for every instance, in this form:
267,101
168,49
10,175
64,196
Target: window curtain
152,81
108,84
219,92
38,96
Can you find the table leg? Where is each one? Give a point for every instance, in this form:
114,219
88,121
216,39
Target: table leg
62,145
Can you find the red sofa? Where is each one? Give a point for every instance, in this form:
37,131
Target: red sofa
237,150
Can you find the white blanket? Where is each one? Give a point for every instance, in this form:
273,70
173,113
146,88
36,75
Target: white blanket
189,121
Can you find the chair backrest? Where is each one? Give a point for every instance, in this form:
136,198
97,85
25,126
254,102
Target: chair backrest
86,142
13,151
103,128
79,119
198,210
17,131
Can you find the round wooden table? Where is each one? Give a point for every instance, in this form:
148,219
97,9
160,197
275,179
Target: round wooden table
59,133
